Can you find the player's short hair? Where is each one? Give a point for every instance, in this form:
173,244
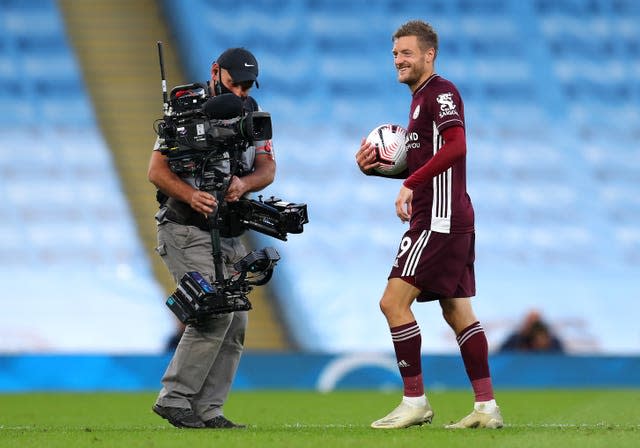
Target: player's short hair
427,36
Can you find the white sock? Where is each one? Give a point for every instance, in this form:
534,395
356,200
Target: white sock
485,407
416,402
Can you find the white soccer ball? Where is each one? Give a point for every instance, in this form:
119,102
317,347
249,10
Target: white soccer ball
391,151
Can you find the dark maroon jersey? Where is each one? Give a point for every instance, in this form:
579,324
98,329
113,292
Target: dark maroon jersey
441,205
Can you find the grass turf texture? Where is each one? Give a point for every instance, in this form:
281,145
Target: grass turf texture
562,418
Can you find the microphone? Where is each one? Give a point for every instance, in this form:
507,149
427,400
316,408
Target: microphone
223,107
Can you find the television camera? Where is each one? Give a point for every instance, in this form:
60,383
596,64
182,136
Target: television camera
204,138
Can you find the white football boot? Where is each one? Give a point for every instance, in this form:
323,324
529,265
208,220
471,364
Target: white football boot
483,416
405,415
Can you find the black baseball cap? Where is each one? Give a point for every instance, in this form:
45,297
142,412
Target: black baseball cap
240,63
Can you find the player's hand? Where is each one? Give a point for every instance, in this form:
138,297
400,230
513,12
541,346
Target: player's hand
237,188
403,204
203,202
366,157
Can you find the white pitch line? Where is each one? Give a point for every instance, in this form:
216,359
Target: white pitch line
338,426
572,425
330,426
87,428
524,426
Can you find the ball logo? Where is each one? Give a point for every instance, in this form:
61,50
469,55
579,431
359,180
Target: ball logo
447,106
416,112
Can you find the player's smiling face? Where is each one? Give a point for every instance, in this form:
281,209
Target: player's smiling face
413,65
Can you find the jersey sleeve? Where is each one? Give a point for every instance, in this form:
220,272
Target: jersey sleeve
447,107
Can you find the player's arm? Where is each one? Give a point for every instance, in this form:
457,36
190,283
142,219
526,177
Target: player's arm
160,175
263,174
454,148
367,161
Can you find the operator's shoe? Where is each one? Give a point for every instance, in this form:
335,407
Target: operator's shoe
179,417
220,422
405,415
480,418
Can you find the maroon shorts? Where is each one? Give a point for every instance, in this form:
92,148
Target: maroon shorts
440,265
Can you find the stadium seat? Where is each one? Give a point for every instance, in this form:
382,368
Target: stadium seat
17,111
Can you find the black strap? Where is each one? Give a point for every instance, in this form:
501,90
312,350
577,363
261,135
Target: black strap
182,213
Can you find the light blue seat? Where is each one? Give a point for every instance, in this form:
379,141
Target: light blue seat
16,111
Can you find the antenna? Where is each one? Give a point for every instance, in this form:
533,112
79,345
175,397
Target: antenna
164,79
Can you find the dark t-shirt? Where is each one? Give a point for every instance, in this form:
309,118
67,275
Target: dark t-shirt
441,205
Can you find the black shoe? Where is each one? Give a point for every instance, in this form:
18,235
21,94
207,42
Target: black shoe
179,417
220,422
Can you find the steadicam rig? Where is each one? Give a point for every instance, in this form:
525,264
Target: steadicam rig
195,297
204,138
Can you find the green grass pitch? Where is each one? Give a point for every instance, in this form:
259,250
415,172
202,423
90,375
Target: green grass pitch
549,418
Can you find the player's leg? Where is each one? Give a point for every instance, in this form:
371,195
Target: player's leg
405,333
474,350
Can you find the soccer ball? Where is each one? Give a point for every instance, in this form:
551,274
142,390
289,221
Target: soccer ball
390,149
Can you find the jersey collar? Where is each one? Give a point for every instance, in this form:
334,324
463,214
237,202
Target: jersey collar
424,84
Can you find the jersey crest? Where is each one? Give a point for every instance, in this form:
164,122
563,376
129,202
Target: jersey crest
416,112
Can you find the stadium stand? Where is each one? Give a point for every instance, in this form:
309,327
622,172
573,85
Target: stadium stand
551,88
553,152
75,277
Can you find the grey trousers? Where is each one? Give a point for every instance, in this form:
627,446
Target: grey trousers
204,364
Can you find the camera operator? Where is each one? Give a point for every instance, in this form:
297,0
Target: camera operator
199,376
